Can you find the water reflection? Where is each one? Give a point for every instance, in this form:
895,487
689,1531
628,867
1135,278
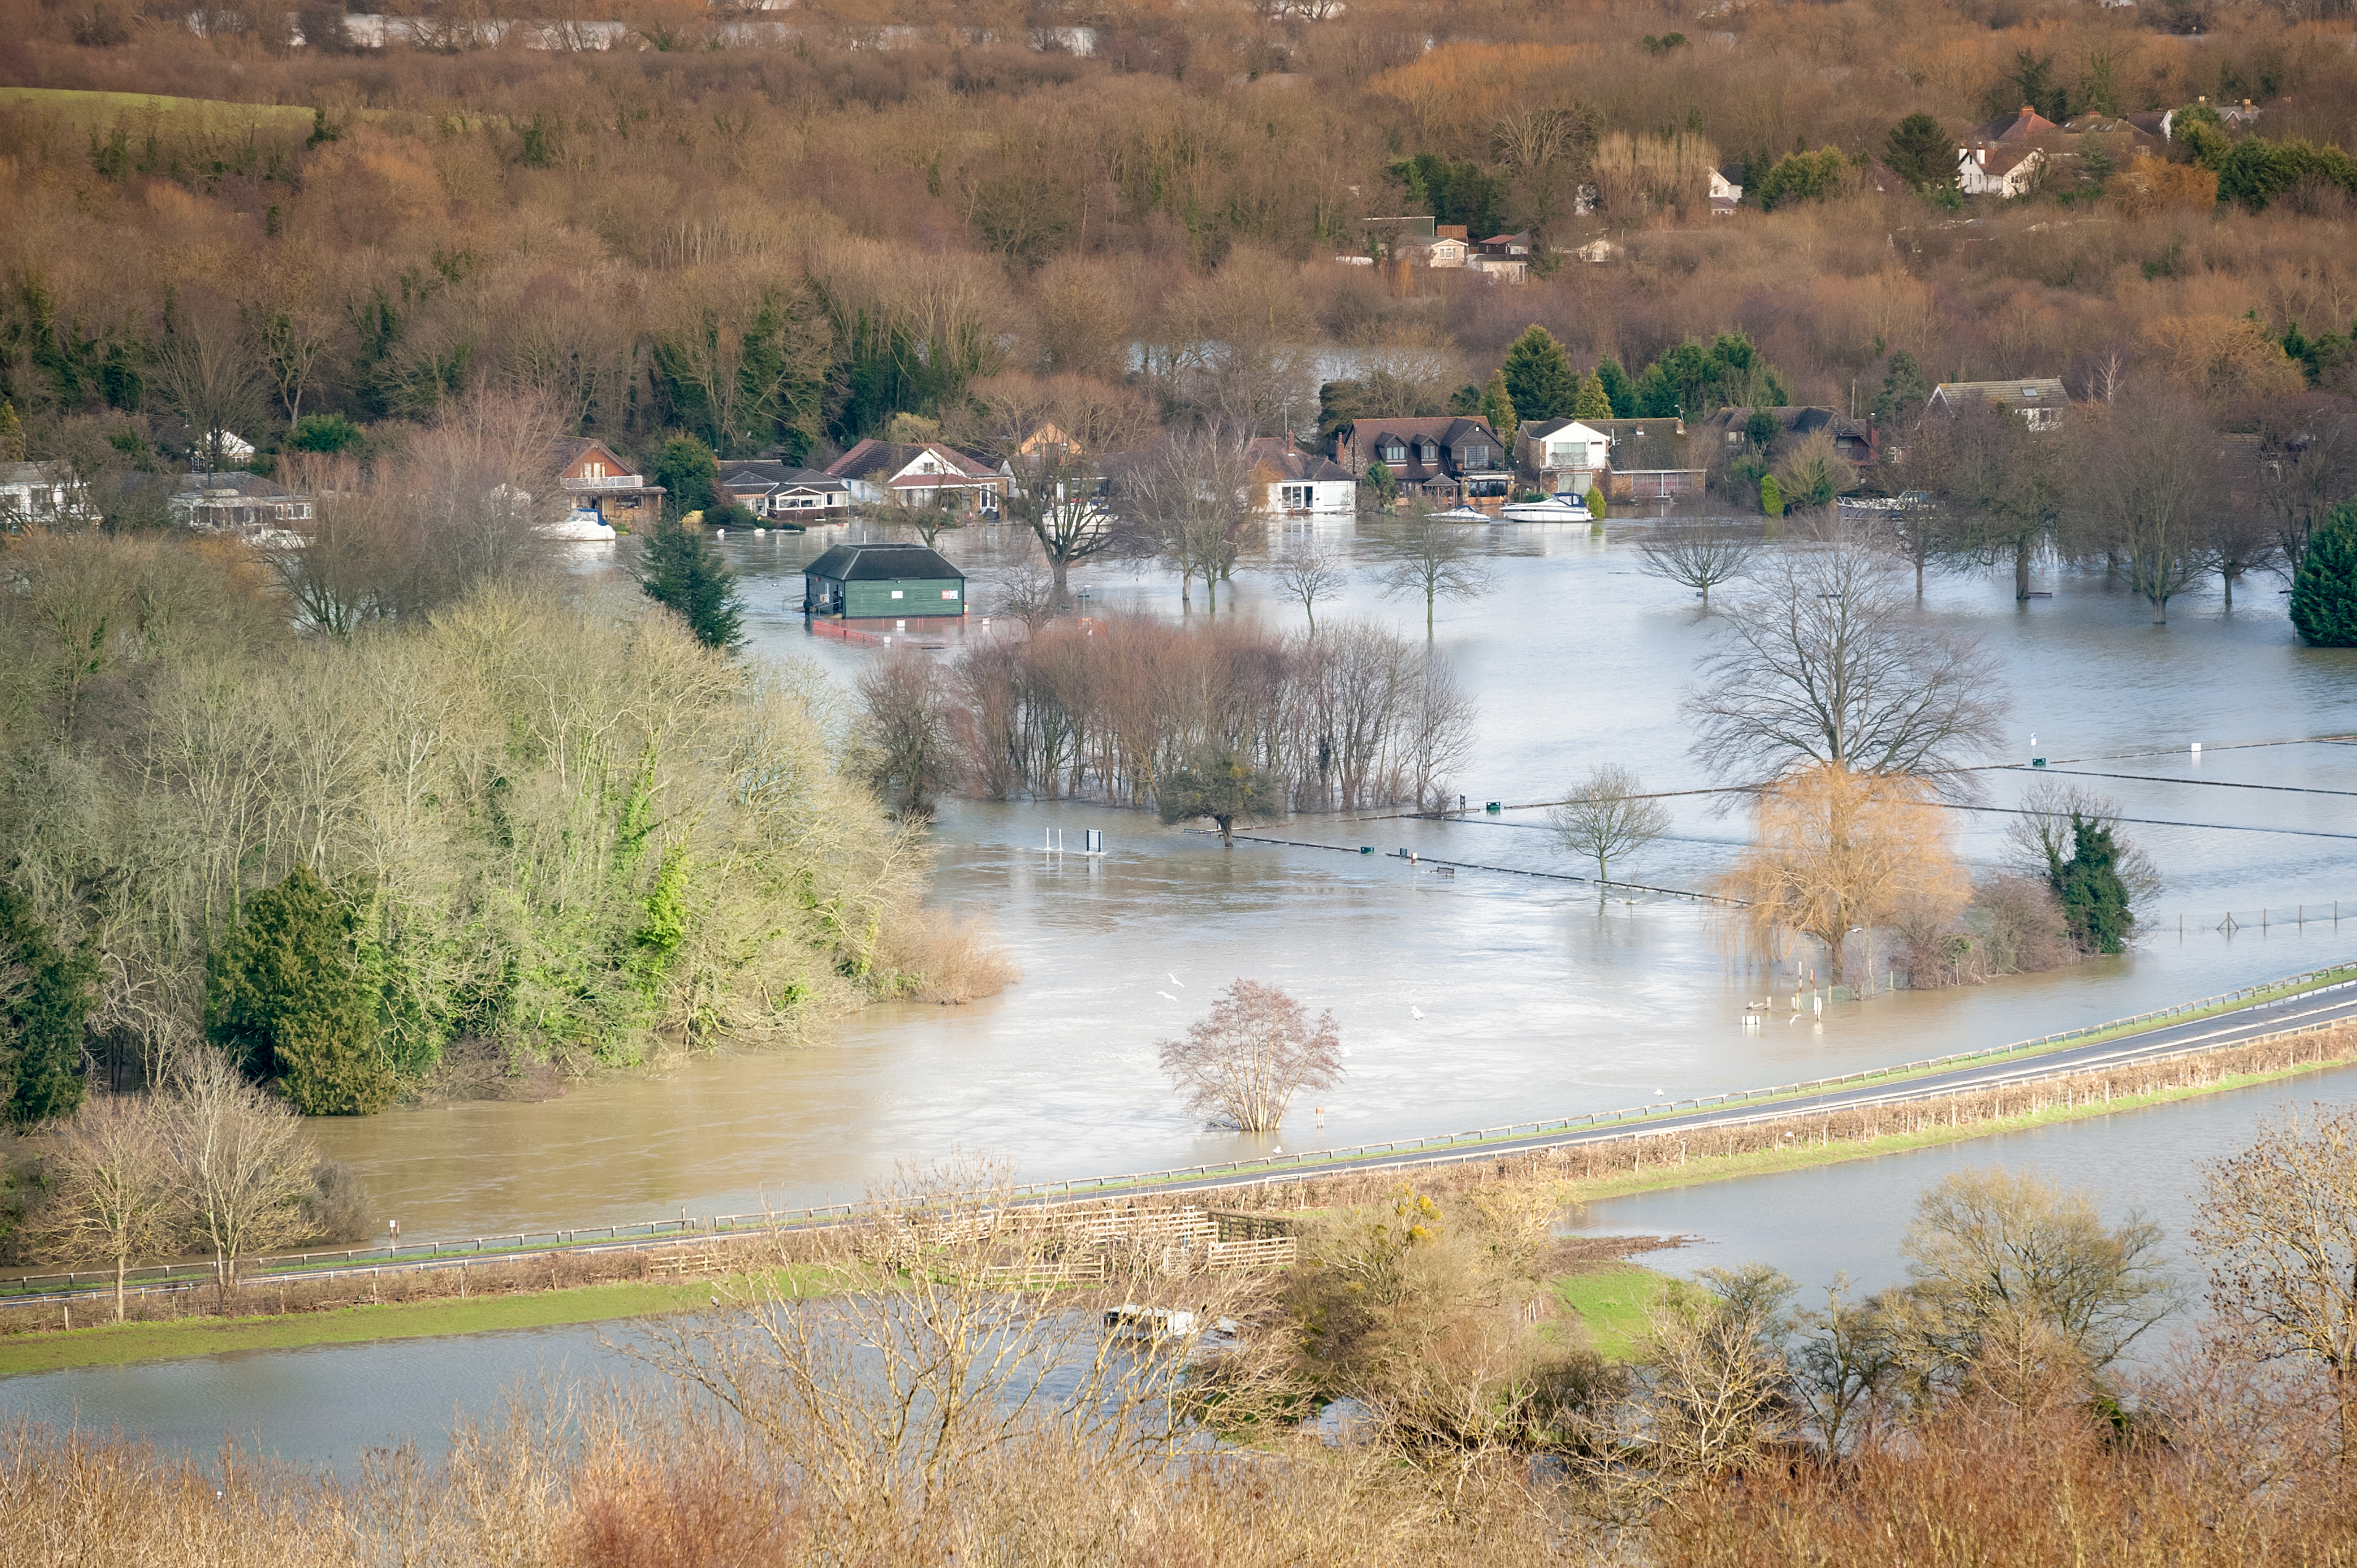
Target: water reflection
1537,1002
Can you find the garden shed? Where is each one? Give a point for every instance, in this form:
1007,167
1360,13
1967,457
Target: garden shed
879,581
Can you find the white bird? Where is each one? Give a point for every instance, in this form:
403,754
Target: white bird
1414,1010
1166,996
1660,1092
1176,982
1346,1050
1278,1150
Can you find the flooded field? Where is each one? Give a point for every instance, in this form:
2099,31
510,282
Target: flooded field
1536,999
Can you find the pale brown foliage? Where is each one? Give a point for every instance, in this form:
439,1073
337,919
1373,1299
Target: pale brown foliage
1835,853
1245,1061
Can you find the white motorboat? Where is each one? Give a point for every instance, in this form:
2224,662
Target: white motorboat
1554,508
580,526
1461,514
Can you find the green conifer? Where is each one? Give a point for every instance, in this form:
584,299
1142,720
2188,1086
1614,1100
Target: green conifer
685,572
1497,407
286,1000
1539,377
1594,403
2324,589
2094,899
41,1017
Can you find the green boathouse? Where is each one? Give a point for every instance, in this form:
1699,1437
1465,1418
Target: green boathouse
882,582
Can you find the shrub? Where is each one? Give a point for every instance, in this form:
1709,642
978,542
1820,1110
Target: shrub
1596,503
934,956
328,432
1772,496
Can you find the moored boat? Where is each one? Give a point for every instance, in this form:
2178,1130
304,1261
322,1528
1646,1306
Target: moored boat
579,526
1554,508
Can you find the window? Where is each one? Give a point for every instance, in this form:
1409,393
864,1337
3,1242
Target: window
896,592
1393,452
949,593
1476,453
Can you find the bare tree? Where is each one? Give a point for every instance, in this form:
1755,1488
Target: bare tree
1189,504
1026,593
1608,816
1309,573
1699,555
1991,1253
1056,494
1257,1048
905,731
2307,455
2148,478
1433,560
241,1167
111,1188
1991,492
2278,1228
946,1332
208,371
1825,661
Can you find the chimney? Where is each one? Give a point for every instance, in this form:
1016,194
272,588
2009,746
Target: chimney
2027,112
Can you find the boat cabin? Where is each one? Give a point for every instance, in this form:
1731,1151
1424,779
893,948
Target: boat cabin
883,582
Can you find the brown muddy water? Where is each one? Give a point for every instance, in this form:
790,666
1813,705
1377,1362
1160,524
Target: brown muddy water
1536,1000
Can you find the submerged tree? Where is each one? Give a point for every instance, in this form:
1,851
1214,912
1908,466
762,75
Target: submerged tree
1826,662
1224,788
1836,852
1607,816
2094,898
2324,588
685,573
1433,560
905,728
1698,555
1257,1048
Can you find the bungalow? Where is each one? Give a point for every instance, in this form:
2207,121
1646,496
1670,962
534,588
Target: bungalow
597,480
919,474
881,582
1452,459
2040,402
236,502
781,490
1288,480
1565,454
2005,157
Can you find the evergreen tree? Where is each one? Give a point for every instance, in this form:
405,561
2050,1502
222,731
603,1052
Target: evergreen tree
1596,503
1920,153
1379,479
2324,589
685,570
1772,496
1903,391
286,1000
1222,788
1497,407
1594,403
1465,403
41,1016
687,471
1618,387
2094,900
12,431
1539,376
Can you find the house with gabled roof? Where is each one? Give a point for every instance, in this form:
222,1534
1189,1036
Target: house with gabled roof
1563,453
785,491
1854,437
878,582
919,474
1288,481
1444,459
2006,156
597,480
2039,399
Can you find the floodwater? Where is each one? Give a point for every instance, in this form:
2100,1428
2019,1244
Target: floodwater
1850,1218
327,1405
1536,1000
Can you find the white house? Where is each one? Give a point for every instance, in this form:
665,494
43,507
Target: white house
38,494
923,474
1564,453
2040,401
1288,481
776,489
2005,157
1726,195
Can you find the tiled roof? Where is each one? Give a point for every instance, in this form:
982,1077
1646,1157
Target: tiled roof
881,563
872,456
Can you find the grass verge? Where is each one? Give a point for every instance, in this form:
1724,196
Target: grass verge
1611,1303
118,1344
1803,1156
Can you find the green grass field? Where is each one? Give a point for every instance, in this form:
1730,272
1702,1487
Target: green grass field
1611,1303
106,108
114,1346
